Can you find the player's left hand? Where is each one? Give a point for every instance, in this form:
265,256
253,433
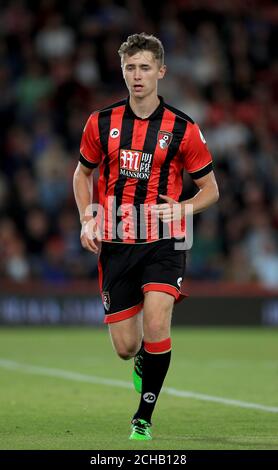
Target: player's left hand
170,211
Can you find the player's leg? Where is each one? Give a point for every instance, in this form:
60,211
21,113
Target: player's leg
158,308
120,284
127,340
126,336
139,358
161,282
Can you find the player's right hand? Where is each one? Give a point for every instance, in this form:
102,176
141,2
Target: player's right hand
90,235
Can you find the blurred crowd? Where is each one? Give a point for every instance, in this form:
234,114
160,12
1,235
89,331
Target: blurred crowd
59,62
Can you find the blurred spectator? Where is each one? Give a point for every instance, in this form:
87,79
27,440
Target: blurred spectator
37,231
55,40
237,258
3,192
206,251
53,265
191,101
33,85
266,264
51,177
13,261
59,62
87,69
16,265
260,238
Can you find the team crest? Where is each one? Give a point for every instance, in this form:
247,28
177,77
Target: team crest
164,138
106,300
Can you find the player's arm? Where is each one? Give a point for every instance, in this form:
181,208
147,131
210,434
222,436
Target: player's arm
82,187
90,157
207,195
198,163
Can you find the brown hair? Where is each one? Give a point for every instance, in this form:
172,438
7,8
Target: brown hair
143,42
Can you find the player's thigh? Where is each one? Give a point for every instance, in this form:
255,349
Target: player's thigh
126,335
158,307
164,269
120,282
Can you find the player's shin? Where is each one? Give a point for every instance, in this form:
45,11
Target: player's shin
156,360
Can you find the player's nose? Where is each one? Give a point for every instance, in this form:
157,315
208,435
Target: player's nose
137,74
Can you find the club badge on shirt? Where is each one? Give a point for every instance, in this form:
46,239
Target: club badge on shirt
164,138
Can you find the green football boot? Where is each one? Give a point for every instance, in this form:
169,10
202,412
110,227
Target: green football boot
137,371
140,430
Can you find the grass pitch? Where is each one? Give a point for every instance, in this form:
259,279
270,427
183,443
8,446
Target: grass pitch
55,391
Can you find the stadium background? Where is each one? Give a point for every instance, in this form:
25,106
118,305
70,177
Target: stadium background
64,388
58,63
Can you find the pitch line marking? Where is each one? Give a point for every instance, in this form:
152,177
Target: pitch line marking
77,377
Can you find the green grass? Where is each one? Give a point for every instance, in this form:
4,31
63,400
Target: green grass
45,412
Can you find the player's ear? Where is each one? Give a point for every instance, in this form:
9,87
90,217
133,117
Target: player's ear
122,64
162,71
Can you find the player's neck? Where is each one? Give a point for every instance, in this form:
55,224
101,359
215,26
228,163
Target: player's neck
143,108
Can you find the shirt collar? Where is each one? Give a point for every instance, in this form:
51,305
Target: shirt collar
156,113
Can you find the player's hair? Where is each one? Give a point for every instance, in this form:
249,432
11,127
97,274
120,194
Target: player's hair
143,42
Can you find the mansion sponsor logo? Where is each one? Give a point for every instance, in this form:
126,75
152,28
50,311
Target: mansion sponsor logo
135,164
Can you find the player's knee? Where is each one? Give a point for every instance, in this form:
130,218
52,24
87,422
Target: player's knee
154,330
126,352
124,355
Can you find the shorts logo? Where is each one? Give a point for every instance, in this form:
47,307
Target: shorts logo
135,164
106,300
149,397
114,133
164,138
179,280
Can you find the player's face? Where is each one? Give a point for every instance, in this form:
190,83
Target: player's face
141,73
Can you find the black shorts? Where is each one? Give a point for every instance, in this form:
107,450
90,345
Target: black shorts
126,272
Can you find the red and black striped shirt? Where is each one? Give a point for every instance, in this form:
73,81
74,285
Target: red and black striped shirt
139,159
